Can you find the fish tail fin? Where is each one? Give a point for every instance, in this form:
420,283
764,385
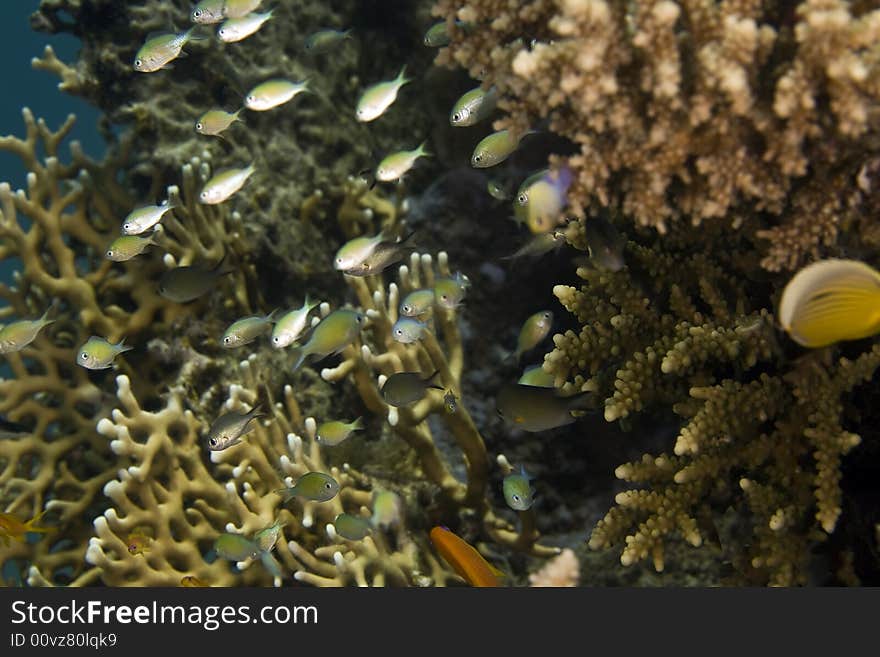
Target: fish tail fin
271,316
358,424
271,564
422,151
584,401
347,33
29,525
401,77
222,268
432,381
299,355
285,494
121,347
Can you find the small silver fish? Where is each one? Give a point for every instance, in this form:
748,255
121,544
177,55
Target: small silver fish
272,93
517,491
126,247
377,98
334,432
533,331
494,149
237,29
332,334
214,122
246,329
408,330
208,11
142,219
98,354
313,486
228,429
267,538
474,106
159,51
449,292
417,303
288,329
325,40
236,547
396,165
405,388
17,335
383,256
224,184
350,527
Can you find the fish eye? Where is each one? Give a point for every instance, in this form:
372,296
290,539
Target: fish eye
221,31
328,485
198,126
138,63
197,13
84,355
478,157
276,339
252,98
515,498
444,297
522,199
110,253
126,226
457,117
213,442
398,331
227,339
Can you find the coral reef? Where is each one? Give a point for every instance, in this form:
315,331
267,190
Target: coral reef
694,110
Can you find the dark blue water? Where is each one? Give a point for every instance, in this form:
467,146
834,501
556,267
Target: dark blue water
24,86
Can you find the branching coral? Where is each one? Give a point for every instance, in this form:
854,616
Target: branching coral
693,109
758,432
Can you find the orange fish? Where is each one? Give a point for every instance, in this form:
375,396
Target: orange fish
465,559
190,581
11,528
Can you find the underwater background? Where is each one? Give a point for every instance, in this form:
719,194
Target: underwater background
439,293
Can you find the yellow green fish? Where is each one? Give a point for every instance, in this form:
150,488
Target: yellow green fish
538,409
236,547
387,509
377,98
98,354
517,491
350,527
396,165
237,29
534,375
385,254
267,538
417,303
224,184
408,330
228,429
17,335
13,529
538,245
830,301
542,197
474,106
214,122
325,40
494,149
142,219
126,247
246,330
450,291
288,329
332,334
334,432
313,486
159,51
273,93
533,332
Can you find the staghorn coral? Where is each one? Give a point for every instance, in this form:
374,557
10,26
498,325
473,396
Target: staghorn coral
692,110
758,431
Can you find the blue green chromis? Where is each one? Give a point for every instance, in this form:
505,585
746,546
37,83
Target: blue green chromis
494,149
352,528
98,354
517,491
184,284
332,334
228,429
539,409
17,335
246,330
377,98
408,330
291,326
533,331
417,302
334,432
126,247
236,547
312,486
159,51
387,509
396,165
324,41
474,106
450,291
